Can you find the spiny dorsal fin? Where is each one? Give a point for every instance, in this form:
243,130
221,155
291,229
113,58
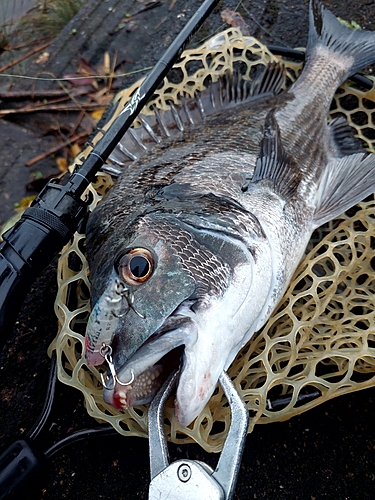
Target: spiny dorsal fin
273,164
344,182
270,81
343,137
228,92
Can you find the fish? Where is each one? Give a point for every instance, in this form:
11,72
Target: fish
193,248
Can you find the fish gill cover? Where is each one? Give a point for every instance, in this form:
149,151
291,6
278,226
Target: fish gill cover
319,342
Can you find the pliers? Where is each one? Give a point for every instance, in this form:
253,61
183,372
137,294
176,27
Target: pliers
191,479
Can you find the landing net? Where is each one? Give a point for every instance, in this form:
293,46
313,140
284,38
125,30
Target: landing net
319,343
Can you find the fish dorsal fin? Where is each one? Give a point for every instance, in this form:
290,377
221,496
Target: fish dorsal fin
228,92
343,137
269,81
273,164
344,182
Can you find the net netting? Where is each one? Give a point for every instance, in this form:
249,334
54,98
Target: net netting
319,343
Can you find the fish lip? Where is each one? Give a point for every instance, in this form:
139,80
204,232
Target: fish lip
136,375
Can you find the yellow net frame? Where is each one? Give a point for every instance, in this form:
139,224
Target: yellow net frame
321,338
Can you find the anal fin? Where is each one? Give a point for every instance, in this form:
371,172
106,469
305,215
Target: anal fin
343,137
344,182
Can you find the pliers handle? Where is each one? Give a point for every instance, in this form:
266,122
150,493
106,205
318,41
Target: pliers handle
190,479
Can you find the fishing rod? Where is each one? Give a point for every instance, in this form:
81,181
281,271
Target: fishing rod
50,222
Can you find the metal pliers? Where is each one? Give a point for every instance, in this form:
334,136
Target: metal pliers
190,479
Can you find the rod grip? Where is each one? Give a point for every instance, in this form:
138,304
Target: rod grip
32,243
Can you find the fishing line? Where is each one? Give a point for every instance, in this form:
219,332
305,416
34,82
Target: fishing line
94,77
259,25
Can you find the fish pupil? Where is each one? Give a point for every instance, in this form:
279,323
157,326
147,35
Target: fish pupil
139,266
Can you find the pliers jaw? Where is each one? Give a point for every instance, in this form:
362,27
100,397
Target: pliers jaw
191,479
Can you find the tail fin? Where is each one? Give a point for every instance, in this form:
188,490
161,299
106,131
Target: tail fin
325,30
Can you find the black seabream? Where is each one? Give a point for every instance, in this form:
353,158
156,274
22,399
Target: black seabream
193,248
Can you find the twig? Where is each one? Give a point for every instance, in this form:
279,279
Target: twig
55,149
148,6
14,95
88,106
78,123
27,44
22,58
79,105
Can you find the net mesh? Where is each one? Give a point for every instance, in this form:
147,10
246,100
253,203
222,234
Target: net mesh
319,343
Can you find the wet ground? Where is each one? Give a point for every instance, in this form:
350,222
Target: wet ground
327,453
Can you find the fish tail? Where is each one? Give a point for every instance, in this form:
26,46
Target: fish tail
356,46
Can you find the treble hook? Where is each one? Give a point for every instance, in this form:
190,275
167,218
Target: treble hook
106,352
130,300
123,291
127,383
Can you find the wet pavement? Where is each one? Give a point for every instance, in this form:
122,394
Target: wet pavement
327,453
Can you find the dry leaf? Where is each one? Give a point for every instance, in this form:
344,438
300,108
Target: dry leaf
25,202
62,164
85,67
75,150
107,63
77,79
235,19
97,114
43,58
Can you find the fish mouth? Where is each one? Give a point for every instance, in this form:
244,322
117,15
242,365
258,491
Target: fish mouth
142,375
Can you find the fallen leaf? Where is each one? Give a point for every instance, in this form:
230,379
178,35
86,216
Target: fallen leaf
235,20
19,208
77,79
107,63
75,150
43,58
85,67
26,202
62,164
97,114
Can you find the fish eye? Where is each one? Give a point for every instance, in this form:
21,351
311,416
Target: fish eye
136,266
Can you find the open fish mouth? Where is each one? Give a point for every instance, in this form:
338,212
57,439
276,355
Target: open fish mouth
140,377
139,390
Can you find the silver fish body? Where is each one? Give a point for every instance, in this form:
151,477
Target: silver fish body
207,229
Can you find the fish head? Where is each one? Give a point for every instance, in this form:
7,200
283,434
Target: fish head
183,299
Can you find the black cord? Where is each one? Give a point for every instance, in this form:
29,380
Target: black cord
104,431
46,410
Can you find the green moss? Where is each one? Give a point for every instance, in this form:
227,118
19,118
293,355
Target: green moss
352,24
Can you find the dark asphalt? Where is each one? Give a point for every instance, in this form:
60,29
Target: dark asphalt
327,453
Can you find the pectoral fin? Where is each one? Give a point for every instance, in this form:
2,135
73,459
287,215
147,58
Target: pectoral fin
344,183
